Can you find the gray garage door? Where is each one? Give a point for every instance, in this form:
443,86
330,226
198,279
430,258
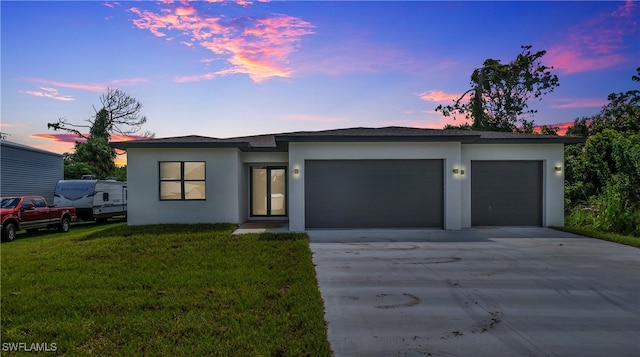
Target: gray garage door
374,193
506,193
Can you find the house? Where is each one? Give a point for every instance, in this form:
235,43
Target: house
28,171
391,177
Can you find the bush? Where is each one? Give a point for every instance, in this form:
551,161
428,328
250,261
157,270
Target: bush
616,211
581,216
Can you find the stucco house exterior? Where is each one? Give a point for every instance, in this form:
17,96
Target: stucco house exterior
391,177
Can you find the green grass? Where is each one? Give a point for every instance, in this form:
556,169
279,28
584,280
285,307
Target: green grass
179,290
612,237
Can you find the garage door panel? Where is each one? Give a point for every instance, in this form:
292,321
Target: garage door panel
506,193
373,193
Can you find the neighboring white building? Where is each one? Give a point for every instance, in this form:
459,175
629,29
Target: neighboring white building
391,177
28,171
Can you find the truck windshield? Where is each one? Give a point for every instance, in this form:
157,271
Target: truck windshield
10,202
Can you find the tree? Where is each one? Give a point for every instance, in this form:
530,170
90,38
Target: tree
96,152
123,116
499,94
604,173
73,170
621,114
119,113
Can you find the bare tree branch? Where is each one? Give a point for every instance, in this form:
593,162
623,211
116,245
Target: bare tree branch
123,116
62,124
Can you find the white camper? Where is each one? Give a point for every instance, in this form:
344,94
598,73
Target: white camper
93,199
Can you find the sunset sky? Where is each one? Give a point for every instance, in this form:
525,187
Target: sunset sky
224,69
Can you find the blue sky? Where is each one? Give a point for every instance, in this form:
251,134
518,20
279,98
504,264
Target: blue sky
226,69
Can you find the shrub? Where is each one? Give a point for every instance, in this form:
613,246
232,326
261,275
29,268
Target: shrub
616,210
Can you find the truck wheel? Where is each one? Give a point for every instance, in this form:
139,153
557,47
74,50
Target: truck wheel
65,225
9,232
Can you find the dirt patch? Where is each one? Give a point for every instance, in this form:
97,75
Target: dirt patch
488,324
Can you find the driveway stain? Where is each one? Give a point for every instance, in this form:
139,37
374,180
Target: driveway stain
488,324
434,260
413,300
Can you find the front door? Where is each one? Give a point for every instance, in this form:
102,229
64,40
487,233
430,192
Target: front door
268,191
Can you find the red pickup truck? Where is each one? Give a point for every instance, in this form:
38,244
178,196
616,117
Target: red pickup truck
32,213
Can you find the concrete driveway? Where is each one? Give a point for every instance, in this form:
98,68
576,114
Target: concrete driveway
477,292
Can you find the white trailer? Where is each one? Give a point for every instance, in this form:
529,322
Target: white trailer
93,199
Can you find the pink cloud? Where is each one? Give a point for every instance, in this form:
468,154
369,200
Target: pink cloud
579,103
72,138
433,121
81,86
119,137
47,92
111,4
562,127
60,138
4,124
576,60
444,121
438,96
597,43
258,47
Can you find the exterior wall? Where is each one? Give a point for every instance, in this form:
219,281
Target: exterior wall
299,152
228,187
551,155
253,159
223,189
27,171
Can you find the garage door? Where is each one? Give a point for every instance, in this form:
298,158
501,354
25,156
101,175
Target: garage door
506,193
374,193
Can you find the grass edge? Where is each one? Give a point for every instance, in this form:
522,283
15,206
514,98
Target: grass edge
610,237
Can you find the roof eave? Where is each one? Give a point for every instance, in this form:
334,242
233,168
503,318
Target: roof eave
124,145
542,140
373,138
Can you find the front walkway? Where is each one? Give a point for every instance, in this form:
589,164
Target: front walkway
262,227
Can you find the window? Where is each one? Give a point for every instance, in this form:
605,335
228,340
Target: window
182,180
39,202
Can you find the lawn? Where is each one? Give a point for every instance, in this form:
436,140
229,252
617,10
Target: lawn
162,290
594,233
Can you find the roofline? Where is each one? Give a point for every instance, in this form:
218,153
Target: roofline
373,138
143,144
28,148
282,141
548,139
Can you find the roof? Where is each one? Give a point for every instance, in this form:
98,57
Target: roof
279,142
27,148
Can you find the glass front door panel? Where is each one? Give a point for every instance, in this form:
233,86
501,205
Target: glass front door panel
278,192
258,192
268,191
